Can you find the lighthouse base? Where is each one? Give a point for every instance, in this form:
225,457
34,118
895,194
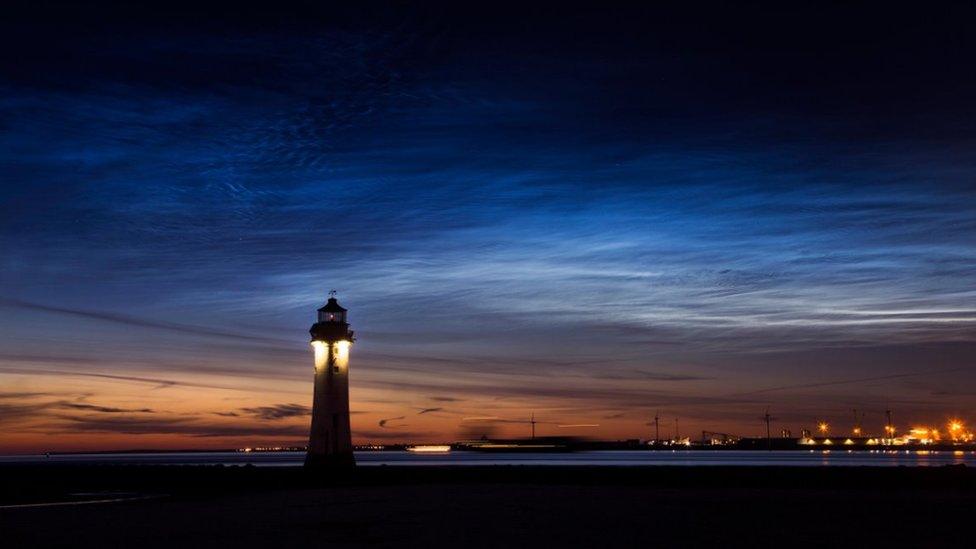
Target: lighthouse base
329,461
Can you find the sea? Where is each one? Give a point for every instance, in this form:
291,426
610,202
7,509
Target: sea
611,458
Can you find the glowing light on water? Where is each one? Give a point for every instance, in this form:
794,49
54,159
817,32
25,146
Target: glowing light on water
430,449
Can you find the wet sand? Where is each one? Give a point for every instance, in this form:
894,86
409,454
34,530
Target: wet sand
488,507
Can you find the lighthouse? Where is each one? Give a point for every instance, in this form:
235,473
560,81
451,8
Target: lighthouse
330,439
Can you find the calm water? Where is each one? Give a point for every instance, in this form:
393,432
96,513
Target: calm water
609,458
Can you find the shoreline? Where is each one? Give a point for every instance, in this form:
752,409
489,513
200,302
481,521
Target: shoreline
751,446
20,481
512,506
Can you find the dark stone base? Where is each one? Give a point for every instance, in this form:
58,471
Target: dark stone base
329,461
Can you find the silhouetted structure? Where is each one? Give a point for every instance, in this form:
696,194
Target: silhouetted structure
330,438
766,419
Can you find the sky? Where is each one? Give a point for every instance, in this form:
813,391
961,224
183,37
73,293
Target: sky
592,215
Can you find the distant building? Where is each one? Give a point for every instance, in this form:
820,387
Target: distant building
330,437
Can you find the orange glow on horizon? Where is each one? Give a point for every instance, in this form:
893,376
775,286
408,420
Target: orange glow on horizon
212,409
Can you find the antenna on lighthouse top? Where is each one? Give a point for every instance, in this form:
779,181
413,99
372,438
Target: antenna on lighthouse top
332,293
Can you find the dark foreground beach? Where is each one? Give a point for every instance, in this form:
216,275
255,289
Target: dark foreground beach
183,506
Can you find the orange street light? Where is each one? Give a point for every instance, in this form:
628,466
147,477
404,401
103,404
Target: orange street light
956,429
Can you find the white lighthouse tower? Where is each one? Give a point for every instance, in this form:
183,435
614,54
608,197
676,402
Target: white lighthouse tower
330,439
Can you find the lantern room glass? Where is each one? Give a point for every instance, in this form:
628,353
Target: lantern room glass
329,316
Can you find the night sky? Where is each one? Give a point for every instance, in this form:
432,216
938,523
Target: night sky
593,215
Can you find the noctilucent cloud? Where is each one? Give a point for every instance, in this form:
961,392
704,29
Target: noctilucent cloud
592,216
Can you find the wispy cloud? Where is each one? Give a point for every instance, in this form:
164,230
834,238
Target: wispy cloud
386,422
171,425
135,321
852,381
103,409
157,382
278,411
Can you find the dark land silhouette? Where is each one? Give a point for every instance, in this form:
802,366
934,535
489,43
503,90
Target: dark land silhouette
486,506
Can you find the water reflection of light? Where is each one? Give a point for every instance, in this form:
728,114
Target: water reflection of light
430,449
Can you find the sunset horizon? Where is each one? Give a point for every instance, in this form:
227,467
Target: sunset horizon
93,407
